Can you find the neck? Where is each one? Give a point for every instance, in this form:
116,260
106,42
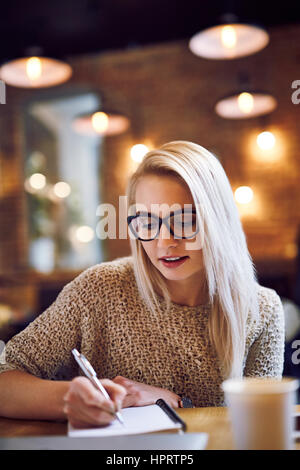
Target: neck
185,293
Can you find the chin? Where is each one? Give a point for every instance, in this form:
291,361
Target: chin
174,276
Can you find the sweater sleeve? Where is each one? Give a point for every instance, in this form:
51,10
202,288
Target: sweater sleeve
266,354
44,347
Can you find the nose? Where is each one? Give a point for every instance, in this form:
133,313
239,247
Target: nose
165,239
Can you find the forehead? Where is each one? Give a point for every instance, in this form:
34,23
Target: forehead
162,189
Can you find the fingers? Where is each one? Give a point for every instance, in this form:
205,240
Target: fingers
87,416
85,405
173,399
131,388
116,392
83,389
122,381
140,394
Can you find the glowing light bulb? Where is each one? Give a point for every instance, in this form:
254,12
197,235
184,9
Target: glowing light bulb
37,181
243,195
266,140
62,189
245,102
138,152
34,68
100,122
228,36
84,234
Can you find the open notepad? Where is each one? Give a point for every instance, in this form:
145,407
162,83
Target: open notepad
137,420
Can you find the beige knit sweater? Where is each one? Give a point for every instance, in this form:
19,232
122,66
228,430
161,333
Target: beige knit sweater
102,314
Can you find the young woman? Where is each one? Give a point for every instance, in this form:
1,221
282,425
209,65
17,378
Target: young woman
175,319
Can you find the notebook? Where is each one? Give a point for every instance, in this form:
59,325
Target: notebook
137,420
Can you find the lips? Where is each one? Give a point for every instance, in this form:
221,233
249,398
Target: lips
175,257
173,261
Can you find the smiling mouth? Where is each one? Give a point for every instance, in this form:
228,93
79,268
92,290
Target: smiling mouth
173,260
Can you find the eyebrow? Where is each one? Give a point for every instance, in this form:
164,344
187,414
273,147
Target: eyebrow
179,211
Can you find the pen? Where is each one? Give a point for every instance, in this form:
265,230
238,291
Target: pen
90,373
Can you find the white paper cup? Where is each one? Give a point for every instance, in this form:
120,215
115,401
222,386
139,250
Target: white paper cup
261,412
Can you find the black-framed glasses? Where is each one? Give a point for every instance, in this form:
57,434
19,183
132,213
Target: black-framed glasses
182,224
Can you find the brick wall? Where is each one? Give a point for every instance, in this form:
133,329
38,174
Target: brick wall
169,94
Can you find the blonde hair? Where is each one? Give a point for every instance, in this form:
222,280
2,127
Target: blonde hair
229,270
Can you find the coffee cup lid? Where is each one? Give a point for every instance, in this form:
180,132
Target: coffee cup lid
260,385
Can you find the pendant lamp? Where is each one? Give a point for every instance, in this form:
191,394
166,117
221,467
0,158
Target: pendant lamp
35,72
245,105
101,122
229,40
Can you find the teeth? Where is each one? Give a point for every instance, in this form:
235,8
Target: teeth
172,259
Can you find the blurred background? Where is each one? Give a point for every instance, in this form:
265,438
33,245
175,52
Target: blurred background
124,74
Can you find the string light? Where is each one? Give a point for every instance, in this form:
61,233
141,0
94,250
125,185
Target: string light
243,195
266,140
138,152
62,189
85,234
37,181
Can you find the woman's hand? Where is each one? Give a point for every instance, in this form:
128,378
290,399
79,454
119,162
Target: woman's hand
86,406
139,394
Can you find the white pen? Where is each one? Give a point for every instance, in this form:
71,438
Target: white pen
90,373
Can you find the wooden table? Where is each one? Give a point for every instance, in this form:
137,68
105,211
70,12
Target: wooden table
214,421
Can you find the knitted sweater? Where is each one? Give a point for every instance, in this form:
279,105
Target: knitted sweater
102,314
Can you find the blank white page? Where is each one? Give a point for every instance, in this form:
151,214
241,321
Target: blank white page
138,420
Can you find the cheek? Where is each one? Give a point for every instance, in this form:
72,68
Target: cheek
198,258
149,248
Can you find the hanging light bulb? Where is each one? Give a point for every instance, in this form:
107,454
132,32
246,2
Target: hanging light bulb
100,122
34,68
35,72
228,36
228,40
245,102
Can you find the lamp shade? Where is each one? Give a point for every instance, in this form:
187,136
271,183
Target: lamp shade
245,105
35,72
101,123
228,41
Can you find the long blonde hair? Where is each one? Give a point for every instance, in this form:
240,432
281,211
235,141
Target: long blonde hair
229,270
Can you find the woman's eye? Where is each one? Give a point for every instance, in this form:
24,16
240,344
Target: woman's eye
184,223
148,224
